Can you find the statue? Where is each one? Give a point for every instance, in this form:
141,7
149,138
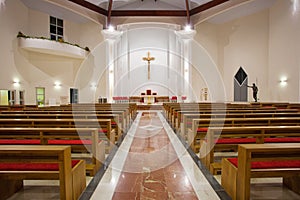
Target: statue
254,90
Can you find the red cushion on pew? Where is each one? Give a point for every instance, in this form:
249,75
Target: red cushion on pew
236,140
20,142
202,129
282,140
268,107
269,164
102,131
113,123
32,166
69,142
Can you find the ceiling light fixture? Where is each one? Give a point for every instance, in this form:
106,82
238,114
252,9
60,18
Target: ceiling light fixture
111,28
188,27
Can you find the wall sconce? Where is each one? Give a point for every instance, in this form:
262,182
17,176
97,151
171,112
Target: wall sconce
57,85
16,82
94,86
283,81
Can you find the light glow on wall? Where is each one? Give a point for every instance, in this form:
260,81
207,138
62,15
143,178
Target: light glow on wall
16,82
295,6
93,86
2,3
57,85
283,81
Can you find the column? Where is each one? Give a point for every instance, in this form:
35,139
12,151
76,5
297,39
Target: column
185,37
111,38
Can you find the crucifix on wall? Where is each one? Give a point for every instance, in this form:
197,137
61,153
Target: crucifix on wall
149,59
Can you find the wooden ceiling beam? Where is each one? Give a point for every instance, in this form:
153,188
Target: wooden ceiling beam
155,13
206,6
109,11
187,11
170,13
90,6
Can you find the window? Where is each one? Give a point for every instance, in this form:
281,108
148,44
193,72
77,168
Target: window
40,96
56,28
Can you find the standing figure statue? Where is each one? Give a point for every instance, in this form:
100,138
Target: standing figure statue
254,90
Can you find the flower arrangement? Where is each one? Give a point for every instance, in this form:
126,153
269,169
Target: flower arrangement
20,34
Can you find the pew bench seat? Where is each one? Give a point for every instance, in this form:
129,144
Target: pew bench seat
76,146
274,164
231,137
231,144
259,169
86,142
253,140
200,127
37,162
38,142
261,161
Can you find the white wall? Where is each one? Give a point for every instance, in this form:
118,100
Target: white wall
266,44
131,71
241,42
207,37
284,50
244,42
13,18
37,69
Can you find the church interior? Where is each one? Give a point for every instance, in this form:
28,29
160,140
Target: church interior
150,99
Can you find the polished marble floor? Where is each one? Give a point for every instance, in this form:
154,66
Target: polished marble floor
149,165
152,163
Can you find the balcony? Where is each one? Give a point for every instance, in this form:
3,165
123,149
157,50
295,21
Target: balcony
52,47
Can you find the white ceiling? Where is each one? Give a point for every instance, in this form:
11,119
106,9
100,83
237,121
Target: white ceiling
148,4
242,10
54,10
60,12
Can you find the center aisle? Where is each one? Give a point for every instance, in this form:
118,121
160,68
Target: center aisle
151,163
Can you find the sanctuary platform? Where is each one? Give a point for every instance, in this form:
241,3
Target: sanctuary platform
157,106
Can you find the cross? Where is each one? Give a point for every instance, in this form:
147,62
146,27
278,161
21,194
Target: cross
149,59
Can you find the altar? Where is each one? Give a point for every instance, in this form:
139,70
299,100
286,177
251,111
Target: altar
148,99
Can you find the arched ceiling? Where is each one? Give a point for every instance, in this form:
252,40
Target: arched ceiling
148,4
76,10
149,7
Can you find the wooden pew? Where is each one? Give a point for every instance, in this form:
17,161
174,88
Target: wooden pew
173,110
63,136
258,161
128,109
216,139
116,123
103,125
123,122
71,178
179,118
187,119
201,126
